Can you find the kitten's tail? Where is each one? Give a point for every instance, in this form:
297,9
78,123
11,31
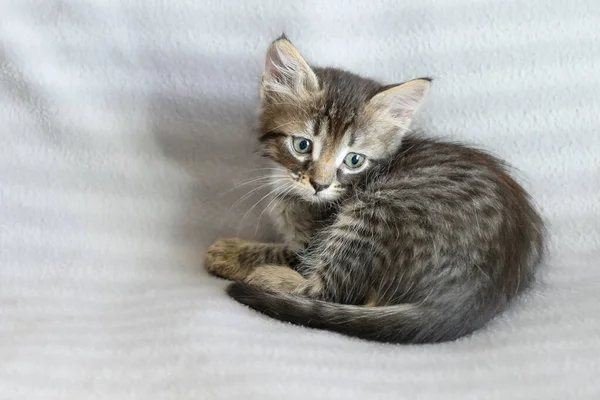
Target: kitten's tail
405,323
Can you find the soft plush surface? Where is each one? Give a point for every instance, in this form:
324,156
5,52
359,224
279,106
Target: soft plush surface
124,123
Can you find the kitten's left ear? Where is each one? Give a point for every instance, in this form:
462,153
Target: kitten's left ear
402,101
286,72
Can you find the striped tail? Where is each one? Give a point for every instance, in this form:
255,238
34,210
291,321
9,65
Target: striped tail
404,323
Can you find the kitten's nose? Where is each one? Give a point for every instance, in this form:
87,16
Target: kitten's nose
319,186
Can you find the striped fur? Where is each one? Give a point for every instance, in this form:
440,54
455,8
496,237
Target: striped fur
425,243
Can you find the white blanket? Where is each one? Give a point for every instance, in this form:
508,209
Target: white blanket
123,124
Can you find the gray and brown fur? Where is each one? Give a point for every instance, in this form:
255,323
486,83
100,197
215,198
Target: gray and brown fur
427,243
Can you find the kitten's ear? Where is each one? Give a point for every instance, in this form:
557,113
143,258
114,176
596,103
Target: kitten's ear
286,72
402,101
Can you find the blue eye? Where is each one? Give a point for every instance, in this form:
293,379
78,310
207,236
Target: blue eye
302,145
354,160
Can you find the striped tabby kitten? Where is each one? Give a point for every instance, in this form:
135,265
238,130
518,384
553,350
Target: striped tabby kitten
389,236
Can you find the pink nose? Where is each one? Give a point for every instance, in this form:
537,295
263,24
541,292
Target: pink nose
319,186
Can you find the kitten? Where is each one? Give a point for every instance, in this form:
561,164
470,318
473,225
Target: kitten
390,236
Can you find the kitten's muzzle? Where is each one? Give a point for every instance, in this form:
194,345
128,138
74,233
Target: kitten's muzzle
319,186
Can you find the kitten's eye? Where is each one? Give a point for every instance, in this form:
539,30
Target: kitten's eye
354,160
302,145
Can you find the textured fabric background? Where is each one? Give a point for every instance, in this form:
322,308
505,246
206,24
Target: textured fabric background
123,124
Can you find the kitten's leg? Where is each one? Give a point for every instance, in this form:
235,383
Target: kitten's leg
343,265
276,278
235,259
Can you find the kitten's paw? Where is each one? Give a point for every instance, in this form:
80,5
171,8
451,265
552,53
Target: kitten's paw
223,259
276,278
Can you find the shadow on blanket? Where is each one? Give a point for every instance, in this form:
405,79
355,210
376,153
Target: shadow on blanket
212,141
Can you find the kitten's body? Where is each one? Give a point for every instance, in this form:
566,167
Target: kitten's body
435,226
426,242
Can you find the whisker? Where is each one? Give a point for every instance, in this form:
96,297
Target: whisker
254,206
263,169
281,196
257,179
244,197
273,201
253,181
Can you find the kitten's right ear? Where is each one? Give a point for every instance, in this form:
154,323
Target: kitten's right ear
286,72
402,101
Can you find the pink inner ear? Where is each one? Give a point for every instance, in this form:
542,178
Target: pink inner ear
274,63
284,67
405,103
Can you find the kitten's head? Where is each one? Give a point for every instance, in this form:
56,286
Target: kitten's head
325,128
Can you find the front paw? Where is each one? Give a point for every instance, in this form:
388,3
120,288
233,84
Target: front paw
275,278
223,259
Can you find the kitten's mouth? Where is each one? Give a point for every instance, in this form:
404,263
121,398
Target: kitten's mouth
309,194
321,196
